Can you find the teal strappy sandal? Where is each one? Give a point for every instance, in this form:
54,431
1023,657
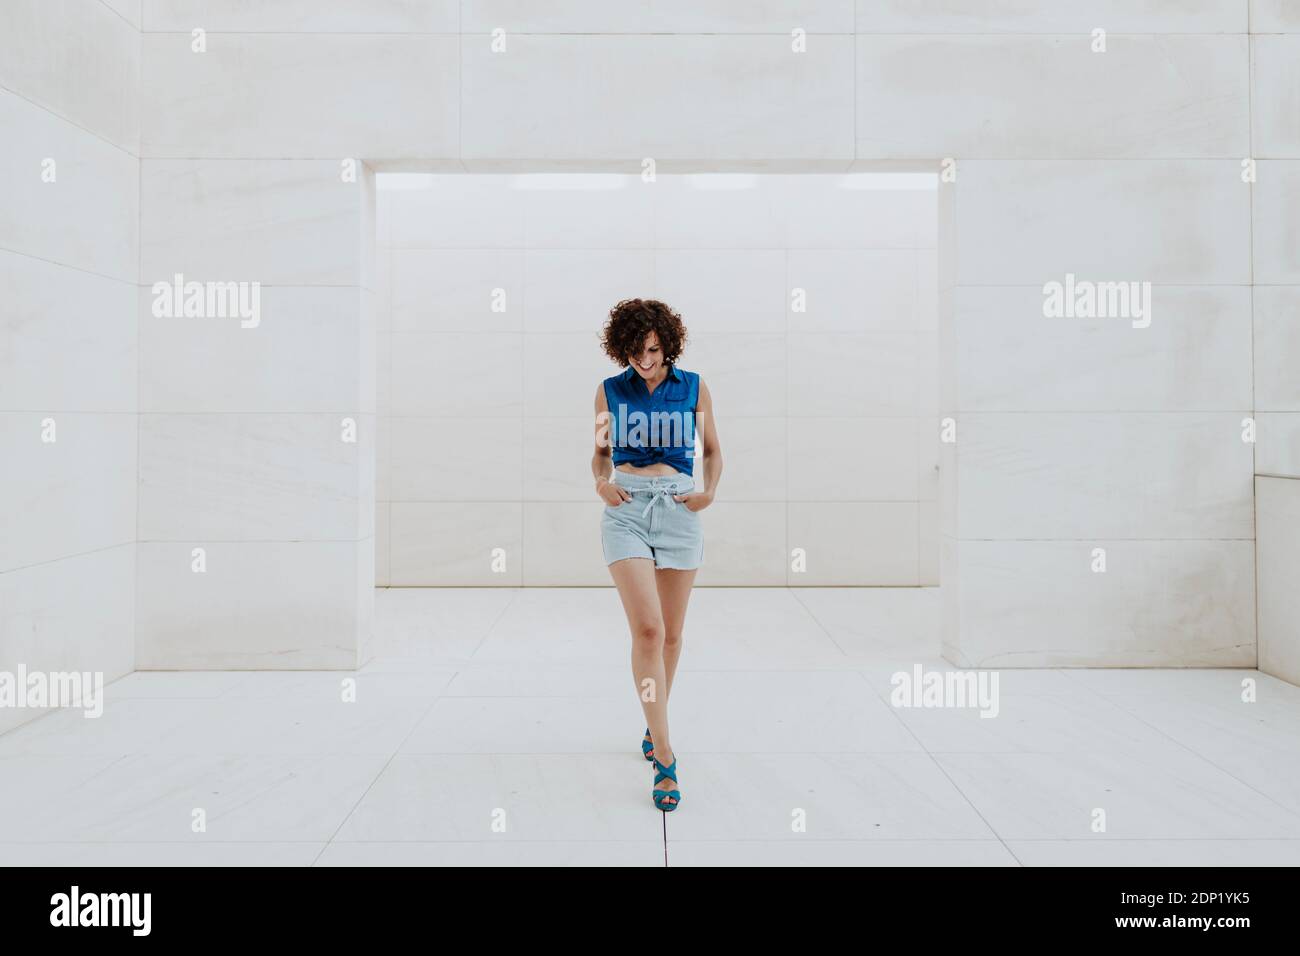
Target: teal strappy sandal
648,746
661,796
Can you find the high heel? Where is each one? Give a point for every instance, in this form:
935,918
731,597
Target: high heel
666,773
647,746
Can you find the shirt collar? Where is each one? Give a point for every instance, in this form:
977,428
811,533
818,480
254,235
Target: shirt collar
673,372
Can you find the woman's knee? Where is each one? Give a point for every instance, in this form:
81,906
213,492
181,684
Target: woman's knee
649,632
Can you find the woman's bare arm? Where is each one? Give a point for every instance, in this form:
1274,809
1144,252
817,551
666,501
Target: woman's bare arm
710,452
602,460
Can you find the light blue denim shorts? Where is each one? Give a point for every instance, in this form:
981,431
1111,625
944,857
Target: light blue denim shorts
652,525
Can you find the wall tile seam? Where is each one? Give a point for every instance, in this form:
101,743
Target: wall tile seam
452,416
1079,160
1063,34
480,35
68,557
67,265
485,34
1155,285
53,410
1100,412
73,123
523,250
198,24
197,540
584,501
578,416
1088,158
148,282
117,13
262,413
1102,538
638,254
733,163
757,332
126,148
1107,412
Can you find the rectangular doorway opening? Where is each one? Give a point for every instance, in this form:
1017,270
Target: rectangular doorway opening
811,307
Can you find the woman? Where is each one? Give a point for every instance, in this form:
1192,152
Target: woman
646,422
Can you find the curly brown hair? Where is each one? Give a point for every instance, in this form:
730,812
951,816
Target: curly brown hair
631,320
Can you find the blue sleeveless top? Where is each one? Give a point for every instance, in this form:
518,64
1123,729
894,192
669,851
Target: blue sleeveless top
645,428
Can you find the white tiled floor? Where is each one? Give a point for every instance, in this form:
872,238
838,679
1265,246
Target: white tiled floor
500,727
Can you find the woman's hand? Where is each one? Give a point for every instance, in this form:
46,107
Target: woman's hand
611,493
695,500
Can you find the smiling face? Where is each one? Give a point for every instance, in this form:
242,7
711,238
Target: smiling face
649,361
645,335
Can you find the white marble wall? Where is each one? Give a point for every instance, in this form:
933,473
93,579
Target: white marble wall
826,413
245,447
1122,165
1275,60
69,75
1277,556
1080,439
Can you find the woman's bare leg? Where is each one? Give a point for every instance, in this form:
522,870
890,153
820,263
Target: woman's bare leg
635,579
674,591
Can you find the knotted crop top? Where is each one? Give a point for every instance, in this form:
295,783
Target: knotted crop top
648,428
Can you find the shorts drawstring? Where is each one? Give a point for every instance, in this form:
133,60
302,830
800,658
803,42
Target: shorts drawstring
661,493
658,491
